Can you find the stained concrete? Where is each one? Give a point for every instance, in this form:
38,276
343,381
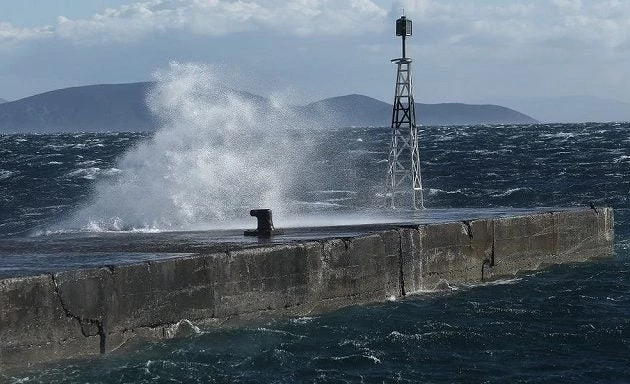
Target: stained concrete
91,311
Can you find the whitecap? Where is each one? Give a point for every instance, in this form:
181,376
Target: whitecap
318,204
396,335
435,191
4,174
111,172
559,135
335,191
92,173
21,380
303,320
490,283
87,163
280,332
375,359
85,173
183,328
348,357
510,192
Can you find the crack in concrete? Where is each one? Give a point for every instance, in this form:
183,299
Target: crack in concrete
401,274
494,242
467,228
82,321
489,261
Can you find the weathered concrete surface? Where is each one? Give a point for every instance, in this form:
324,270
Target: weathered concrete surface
92,311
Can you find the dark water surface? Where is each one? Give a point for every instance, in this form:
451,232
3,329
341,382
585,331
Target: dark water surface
568,324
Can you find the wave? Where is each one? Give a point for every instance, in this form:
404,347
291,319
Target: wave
4,174
560,135
92,173
217,155
436,191
99,226
510,191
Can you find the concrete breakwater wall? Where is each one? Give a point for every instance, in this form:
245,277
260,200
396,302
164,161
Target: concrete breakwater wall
91,311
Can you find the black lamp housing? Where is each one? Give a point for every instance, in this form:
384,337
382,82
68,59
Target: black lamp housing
403,27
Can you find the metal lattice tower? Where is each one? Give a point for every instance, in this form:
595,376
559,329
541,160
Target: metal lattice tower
404,156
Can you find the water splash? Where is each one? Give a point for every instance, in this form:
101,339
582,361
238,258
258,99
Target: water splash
217,154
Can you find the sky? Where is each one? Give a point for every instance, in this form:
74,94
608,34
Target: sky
463,50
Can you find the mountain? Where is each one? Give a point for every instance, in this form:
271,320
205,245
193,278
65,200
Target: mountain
92,108
2,100
358,110
121,107
350,110
571,109
468,114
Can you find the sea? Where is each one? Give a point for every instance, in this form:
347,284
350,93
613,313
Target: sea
566,324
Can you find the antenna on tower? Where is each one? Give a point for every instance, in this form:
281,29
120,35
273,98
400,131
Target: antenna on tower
403,29
404,155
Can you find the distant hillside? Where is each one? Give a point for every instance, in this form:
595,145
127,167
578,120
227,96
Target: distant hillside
466,114
2,100
121,107
350,110
358,110
93,108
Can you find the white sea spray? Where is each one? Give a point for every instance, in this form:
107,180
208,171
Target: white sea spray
217,154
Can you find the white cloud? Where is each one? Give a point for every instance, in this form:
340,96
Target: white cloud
606,24
594,23
583,23
9,33
221,17
570,5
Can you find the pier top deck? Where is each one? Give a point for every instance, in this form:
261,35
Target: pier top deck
35,254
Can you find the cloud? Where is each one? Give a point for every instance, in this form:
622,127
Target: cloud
536,23
11,34
571,5
221,17
510,23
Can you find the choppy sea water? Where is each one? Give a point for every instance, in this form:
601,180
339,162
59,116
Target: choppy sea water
567,324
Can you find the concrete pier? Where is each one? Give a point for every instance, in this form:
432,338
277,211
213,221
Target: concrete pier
87,311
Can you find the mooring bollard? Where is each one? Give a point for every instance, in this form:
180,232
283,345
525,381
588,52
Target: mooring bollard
265,224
